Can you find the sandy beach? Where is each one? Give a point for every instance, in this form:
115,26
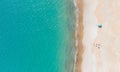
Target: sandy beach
97,49
78,35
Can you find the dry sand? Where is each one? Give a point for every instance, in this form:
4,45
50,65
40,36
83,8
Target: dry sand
90,33
101,45
97,49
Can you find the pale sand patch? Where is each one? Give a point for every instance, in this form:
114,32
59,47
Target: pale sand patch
102,46
90,33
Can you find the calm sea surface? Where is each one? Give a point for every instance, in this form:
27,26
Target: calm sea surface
36,35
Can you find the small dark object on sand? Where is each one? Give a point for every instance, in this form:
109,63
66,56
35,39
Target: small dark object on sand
100,25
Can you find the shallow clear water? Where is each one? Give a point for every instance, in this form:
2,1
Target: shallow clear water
36,35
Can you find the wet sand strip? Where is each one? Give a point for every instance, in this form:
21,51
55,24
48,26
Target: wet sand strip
79,36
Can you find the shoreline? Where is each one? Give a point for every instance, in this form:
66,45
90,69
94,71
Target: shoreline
78,35
100,45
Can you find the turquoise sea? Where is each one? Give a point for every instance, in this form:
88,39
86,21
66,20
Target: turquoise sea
36,35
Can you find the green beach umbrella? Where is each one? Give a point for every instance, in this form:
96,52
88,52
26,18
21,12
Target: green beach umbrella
100,25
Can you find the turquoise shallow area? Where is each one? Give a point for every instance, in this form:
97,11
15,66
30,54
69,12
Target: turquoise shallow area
36,35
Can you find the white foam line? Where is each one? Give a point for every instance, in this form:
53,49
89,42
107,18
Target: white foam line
76,33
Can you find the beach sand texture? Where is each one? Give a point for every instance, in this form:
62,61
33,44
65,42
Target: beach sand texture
102,45
79,35
98,49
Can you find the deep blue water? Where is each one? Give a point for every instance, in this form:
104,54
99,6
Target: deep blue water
36,35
